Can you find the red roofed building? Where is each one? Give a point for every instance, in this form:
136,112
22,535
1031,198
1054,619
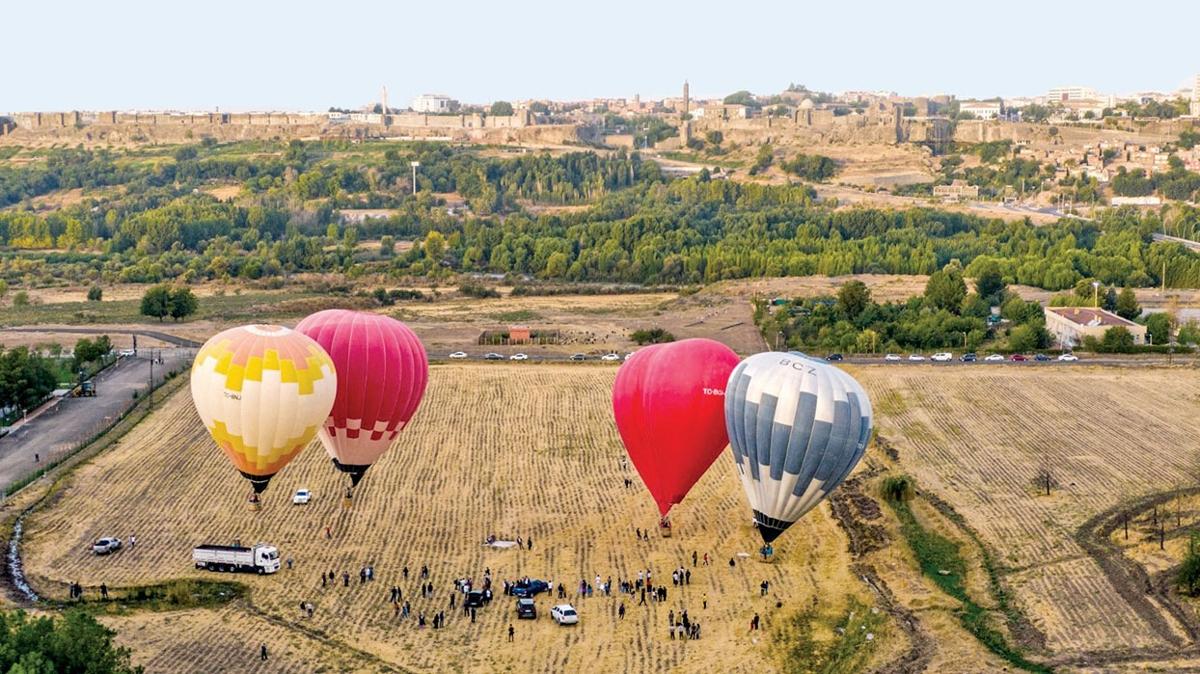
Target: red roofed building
1070,325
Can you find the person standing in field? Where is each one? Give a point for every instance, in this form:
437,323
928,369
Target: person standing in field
262,652
621,611
511,632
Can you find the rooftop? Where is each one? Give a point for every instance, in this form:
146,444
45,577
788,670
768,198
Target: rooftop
1088,316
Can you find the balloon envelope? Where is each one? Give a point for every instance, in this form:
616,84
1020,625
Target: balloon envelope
382,372
668,400
262,392
797,427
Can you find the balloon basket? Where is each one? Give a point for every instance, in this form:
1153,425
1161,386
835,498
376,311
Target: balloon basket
664,528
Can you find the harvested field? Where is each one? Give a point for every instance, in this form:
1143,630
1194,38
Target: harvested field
513,451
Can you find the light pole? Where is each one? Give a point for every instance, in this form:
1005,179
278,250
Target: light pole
1096,294
414,165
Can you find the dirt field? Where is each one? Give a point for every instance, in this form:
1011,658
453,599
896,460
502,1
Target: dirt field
514,451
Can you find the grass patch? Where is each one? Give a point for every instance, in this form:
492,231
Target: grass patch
244,306
517,315
856,633
941,562
173,595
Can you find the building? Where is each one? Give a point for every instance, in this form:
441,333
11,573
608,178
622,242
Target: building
1070,325
956,191
1071,93
1195,107
434,104
982,109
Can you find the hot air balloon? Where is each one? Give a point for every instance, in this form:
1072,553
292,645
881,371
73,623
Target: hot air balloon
382,372
668,400
797,427
262,391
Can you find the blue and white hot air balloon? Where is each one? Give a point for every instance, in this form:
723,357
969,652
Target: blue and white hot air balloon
797,427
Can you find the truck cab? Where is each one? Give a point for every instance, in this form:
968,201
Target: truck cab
266,557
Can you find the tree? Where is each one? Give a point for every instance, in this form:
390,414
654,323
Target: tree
387,245
946,289
852,298
1023,338
75,642
501,109
156,302
90,351
1127,304
21,299
1159,326
182,303
3,287
651,336
714,137
95,294
990,283
1117,339
434,246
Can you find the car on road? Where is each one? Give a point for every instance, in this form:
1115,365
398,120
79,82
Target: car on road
126,353
106,546
1041,357
1018,358
458,355
564,614
1068,358
301,497
610,357
528,588
892,357
942,357
493,356
968,358
519,356
915,357
526,608
578,356
994,357
628,355
834,357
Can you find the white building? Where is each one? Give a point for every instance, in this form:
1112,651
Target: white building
1071,93
434,103
982,109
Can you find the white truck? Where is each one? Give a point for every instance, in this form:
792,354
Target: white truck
261,558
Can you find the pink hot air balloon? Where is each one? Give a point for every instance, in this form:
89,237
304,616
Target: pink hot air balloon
382,371
669,403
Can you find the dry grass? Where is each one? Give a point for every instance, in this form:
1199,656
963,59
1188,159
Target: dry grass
511,451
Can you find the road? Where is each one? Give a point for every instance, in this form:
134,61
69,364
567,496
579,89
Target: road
73,420
153,334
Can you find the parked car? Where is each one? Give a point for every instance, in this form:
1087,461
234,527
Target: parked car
526,608
105,546
301,497
915,357
126,353
1041,357
833,357
564,614
994,357
475,599
892,357
942,357
628,355
1068,358
519,356
610,357
493,356
968,358
1018,358
578,356
529,588
458,355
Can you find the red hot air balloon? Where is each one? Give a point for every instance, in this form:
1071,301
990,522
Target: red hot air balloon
669,402
382,371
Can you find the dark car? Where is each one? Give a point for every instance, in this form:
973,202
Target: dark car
1017,358
833,356
493,356
967,358
1041,357
526,608
528,588
578,356
474,599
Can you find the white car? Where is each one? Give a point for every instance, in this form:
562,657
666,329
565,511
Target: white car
610,357
106,546
518,356
892,357
1068,358
126,353
995,357
301,497
915,357
564,614
942,357
628,355
458,355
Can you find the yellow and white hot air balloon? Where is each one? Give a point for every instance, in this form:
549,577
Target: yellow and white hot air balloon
262,391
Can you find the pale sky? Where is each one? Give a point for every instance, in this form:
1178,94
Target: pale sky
305,55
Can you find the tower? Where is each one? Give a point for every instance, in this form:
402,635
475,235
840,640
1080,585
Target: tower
685,97
385,105
1195,97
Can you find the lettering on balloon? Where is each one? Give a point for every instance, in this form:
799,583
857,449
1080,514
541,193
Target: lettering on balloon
714,391
233,396
798,365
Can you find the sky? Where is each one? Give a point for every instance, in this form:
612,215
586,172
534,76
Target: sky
304,55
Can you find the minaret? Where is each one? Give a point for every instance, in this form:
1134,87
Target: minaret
385,105
685,97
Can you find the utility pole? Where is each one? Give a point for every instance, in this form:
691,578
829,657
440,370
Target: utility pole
151,390
1096,294
414,165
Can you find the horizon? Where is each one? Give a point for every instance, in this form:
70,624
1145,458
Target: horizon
274,58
